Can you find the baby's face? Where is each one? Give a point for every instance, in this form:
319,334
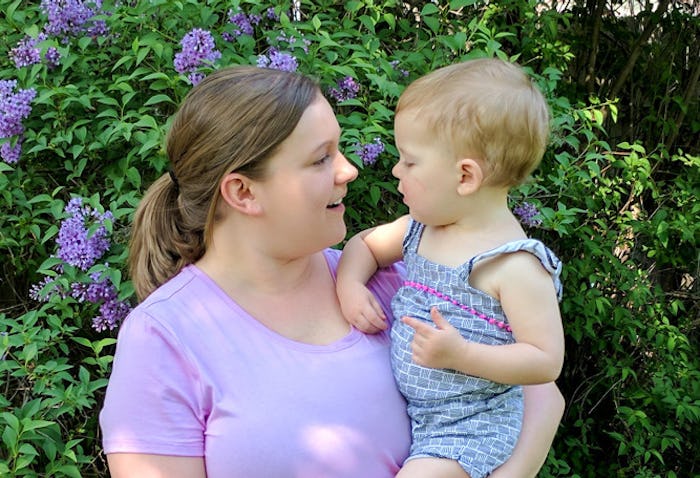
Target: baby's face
428,173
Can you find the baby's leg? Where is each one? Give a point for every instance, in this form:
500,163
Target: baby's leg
432,468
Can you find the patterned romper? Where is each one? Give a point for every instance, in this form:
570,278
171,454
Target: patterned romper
453,415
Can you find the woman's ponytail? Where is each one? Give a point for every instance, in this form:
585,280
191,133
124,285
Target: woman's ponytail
159,247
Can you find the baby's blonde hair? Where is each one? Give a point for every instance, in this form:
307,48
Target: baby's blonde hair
485,109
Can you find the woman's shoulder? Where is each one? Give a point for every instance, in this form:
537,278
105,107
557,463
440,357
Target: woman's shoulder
174,300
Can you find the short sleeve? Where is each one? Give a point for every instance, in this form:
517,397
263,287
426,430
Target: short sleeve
153,399
384,285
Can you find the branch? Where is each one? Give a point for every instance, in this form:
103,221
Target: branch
688,97
637,48
595,42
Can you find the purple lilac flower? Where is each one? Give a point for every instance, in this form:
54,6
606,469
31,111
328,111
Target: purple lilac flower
72,17
101,291
52,57
291,41
346,89
527,213
50,288
198,49
370,151
26,52
78,245
9,153
14,107
278,61
395,64
271,15
98,28
111,313
243,25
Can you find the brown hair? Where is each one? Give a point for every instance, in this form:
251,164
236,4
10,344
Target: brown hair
235,119
487,109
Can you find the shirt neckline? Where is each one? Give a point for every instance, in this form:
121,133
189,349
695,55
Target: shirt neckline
342,343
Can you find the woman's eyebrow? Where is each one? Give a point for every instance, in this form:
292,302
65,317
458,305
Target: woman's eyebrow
321,146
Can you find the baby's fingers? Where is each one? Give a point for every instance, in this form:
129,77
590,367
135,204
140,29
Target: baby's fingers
368,326
376,322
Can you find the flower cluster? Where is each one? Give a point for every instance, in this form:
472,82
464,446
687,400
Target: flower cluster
198,49
346,89
46,288
73,17
99,291
26,53
82,239
243,24
292,41
402,72
65,18
278,61
369,152
83,236
528,214
14,107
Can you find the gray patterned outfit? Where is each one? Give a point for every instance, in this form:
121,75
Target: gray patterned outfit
453,415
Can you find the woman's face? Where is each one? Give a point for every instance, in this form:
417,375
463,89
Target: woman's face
307,181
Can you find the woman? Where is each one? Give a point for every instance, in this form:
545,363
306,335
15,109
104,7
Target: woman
238,361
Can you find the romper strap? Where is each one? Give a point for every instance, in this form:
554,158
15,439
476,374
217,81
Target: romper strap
535,247
412,237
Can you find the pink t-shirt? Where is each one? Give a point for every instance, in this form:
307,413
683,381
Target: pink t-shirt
195,375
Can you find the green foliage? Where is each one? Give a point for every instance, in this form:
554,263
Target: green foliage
620,210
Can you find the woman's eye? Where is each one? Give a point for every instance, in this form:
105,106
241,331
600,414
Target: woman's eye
324,159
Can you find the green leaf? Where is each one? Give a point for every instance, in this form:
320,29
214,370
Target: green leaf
160,98
429,9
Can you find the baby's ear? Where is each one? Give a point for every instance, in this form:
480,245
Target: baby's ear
237,191
471,176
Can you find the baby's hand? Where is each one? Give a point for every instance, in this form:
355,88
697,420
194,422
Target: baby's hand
435,347
361,309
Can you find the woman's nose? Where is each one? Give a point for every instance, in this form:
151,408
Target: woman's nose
345,172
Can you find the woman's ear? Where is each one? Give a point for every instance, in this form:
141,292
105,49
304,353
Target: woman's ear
237,192
471,176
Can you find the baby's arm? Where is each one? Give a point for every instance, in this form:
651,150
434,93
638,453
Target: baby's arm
529,300
365,252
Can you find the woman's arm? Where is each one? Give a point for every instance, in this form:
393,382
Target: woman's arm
544,407
133,465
